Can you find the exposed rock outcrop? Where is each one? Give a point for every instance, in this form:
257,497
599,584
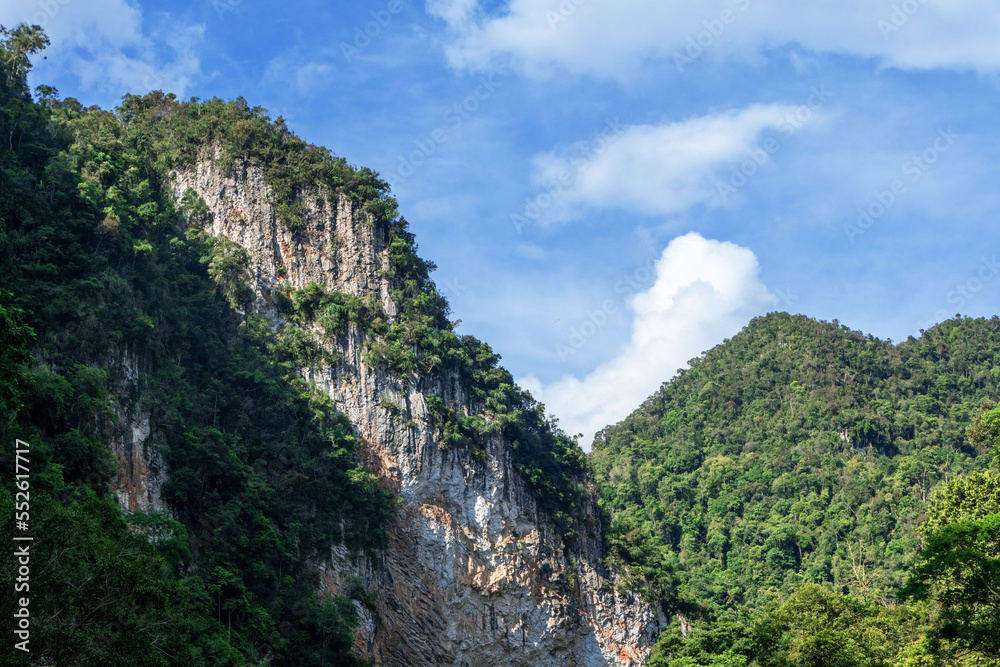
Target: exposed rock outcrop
477,574
141,469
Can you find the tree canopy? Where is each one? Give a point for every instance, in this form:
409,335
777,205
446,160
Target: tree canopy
803,453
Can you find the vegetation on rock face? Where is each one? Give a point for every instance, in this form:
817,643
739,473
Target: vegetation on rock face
799,455
175,134
101,266
263,474
420,341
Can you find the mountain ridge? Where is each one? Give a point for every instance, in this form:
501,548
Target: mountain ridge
797,452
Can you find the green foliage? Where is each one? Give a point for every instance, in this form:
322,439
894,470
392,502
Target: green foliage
167,534
813,628
101,594
356,590
335,620
797,452
985,428
176,134
331,311
15,337
959,569
227,267
16,47
264,472
972,496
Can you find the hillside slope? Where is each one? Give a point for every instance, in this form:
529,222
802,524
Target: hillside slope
797,452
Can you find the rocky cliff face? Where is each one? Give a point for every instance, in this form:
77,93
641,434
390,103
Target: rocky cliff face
141,469
477,574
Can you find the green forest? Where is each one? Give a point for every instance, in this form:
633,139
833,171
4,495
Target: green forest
95,260
801,495
804,494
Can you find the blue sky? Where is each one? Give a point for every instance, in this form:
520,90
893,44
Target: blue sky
611,188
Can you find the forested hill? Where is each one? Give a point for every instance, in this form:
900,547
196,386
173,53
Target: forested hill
93,261
798,452
114,302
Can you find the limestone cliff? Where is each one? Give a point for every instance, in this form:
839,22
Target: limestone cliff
477,574
141,469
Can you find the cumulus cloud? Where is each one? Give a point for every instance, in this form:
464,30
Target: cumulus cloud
111,47
608,39
704,292
656,169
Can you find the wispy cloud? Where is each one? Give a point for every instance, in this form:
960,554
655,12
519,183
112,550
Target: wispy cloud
111,48
657,169
545,38
306,74
456,13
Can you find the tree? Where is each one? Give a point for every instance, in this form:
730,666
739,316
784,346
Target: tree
821,629
14,340
985,428
960,566
16,47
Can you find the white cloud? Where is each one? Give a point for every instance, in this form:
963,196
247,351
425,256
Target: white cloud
608,39
106,45
453,12
704,291
655,169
